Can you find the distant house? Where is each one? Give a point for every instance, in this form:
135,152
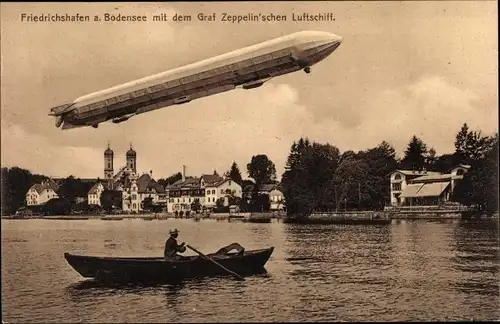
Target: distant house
423,187
40,193
94,194
276,197
141,188
207,189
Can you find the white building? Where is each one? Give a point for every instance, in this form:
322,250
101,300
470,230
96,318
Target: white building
41,193
207,189
94,194
424,187
141,188
276,197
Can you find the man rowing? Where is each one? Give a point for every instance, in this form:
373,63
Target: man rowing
172,247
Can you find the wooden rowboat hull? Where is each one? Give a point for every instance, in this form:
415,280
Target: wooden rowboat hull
130,269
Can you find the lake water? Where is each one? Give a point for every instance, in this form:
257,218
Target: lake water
406,271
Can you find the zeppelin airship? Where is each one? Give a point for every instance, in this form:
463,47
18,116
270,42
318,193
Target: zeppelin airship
245,68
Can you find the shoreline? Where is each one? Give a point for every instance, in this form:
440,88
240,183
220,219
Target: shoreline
346,217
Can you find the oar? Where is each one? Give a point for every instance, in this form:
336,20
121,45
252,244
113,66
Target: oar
212,260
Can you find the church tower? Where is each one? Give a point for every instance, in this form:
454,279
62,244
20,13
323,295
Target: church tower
132,159
108,163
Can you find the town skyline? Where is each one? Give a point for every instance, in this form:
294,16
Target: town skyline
424,81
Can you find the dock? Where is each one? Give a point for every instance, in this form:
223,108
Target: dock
344,218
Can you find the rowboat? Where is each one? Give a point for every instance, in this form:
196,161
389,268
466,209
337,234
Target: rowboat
157,269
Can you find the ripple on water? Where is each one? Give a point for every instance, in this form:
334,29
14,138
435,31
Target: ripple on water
410,271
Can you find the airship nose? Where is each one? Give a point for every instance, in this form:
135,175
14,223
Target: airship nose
321,37
336,38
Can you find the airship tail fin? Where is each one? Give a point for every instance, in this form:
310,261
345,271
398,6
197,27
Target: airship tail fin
59,110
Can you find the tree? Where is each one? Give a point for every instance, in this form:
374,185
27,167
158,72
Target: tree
415,155
375,188
261,169
471,145
72,188
299,197
430,159
479,187
260,204
57,206
15,184
147,204
234,200
235,174
461,141
477,146
446,162
305,186
297,150
219,206
196,206
170,180
111,199
349,176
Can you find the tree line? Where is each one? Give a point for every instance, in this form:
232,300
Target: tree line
319,177
260,170
17,181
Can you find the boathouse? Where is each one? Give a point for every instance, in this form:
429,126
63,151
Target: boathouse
424,188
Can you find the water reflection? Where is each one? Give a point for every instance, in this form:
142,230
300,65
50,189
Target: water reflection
405,271
477,261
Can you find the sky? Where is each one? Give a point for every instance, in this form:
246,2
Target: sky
403,69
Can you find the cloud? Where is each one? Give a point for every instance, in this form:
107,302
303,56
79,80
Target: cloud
352,100
37,154
213,132
430,108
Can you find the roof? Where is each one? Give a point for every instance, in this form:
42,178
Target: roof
439,177
211,178
218,183
93,190
416,173
85,180
463,166
267,187
131,152
206,65
192,182
45,185
108,151
411,190
434,189
146,183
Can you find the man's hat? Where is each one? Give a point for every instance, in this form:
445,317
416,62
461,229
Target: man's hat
174,231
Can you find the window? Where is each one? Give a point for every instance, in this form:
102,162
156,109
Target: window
213,192
229,182
397,177
134,197
133,206
222,191
396,186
